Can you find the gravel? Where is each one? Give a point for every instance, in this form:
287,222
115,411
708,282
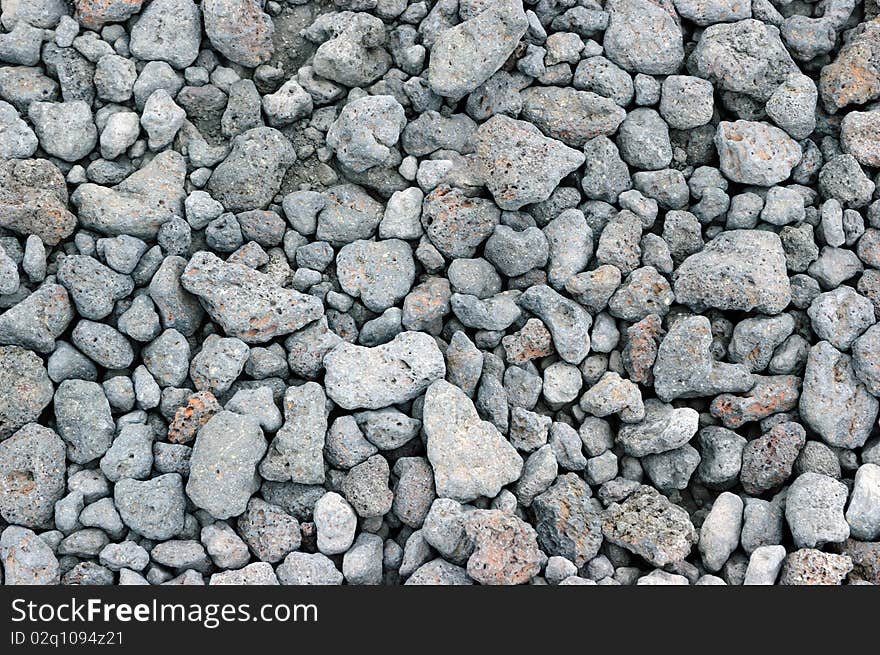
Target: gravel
382,292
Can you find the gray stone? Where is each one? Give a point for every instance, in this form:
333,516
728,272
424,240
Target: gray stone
251,174
685,367
571,116
765,564
834,402
793,106
840,316
650,526
567,321
720,532
366,131
65,129
644,37
248,304
465,56
167,30
614,395
755,153
335,523
308,569
38,320
814,510
270,532
83,419
153,508
373,378
469,456
737,270
664,428
746,57
239,30
93,287
863,513
457,224
139,204
348,214
218,483
296,452
720,456
566,521
27,559
362,563
381,273
672,469
510,152
32,473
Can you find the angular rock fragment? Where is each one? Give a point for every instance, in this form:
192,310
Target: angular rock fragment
38,320
240,30
27,559
138,205
573,117
33,200
650,526
296,452
25,388
685,367
664,428
372,378
505,548
251,174
469,456
738,270
223,467
568,322
465,56
644,36
519,164
834,402
567,523
248,304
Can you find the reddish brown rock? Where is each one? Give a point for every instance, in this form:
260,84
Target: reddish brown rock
201,406
767,461
505,548
770,395
854,77
533,341
33,200
240,30
94,14
640,351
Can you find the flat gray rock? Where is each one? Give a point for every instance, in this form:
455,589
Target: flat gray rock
372,378
465,56
223,466
248,304
519,164
738,270
469,456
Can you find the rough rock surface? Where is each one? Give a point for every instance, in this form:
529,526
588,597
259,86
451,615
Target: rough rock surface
388,292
